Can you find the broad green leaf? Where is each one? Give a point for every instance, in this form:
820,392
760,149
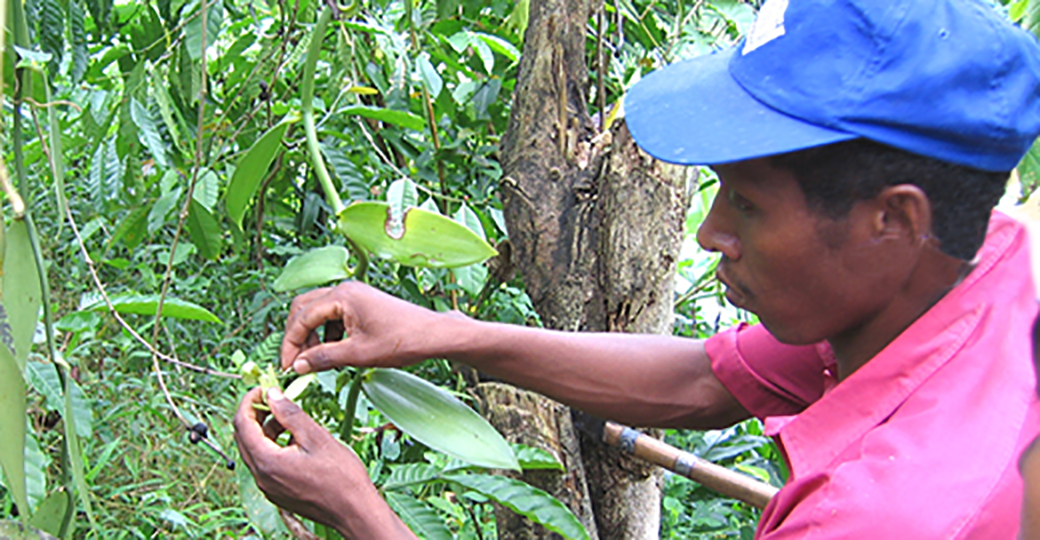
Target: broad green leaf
207,188
51,30
204,230
44,380
14,530
138,304
344,170
399,118
316,267
134,228
411,474
36,463
12,425
78,42
429,75
81,410
50,513
473,277
421,519
499,45
161,209
149,133
526,500
428,239
252,169
532,458
193,28
105,172
21,293
486,56
437,419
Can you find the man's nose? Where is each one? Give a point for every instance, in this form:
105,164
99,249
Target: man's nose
716,232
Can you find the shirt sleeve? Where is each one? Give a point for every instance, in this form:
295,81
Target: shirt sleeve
767,377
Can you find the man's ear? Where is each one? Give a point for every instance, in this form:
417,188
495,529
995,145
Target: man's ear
903,212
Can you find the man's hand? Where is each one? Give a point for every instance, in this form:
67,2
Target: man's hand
378,330
315,476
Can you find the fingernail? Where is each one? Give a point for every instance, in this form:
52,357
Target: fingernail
301,366
274,394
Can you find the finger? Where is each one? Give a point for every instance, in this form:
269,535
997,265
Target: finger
332,355
249,436
302,325
302,300
303,428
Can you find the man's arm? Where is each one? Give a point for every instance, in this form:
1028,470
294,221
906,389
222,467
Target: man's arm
645,380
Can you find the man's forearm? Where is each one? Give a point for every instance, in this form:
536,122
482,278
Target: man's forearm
646,380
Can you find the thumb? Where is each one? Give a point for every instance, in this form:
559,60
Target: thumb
291,417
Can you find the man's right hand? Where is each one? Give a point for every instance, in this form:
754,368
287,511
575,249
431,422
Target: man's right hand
378,330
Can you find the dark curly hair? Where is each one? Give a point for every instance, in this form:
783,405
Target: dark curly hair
835,176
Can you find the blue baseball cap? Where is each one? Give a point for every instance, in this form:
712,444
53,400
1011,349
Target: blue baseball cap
948,79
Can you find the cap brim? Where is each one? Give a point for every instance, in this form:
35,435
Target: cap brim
694,113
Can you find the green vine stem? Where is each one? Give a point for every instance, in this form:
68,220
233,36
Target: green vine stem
307,111
346,432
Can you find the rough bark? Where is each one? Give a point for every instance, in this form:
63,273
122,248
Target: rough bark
596,227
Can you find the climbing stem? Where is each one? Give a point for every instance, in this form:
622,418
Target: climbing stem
307,111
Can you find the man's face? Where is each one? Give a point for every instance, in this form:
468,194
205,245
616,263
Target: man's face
807,277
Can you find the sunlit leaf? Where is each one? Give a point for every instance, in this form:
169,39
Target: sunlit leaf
390,116
193,28
252,169
296,388
485,54
149,133
419,517
316,267
139,304
161,209
204,230
499,45
428,240
437,419
401,195
526,500
429,75
207,188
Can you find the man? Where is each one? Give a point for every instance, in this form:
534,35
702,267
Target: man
860,147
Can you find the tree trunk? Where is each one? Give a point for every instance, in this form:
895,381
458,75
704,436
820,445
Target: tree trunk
596,227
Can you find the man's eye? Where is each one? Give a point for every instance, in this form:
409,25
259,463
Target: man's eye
738,202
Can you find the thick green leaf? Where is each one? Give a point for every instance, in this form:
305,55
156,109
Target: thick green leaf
12,425
316,267
429,75
13,530
526,500
50,513
149,133
390,116
532,458
437,419
296,388
428,239
204,230
252,169
421,519
147,304
21,293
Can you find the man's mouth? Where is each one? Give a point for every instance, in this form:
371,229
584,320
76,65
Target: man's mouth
733,293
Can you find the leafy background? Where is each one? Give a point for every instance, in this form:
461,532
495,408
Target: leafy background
129,127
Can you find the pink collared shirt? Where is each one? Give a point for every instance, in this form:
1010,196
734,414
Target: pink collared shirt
921,442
